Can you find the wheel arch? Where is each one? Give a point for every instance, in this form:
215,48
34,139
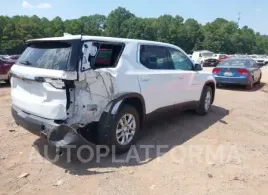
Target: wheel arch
134,99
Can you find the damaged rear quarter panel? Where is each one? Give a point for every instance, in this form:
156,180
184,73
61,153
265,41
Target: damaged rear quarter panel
97,88
91,96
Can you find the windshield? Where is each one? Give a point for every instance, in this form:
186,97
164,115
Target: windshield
239,63
207,54
47,55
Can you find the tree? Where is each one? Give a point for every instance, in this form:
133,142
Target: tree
218,36
115,20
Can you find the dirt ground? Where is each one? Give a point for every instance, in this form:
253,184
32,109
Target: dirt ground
225,152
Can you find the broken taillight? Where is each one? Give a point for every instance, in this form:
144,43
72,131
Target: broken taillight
57,83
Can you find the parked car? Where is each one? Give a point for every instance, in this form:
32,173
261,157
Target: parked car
4,56
221,57
265,58
60,88
259,59
240,71
205,58
13,57
5,66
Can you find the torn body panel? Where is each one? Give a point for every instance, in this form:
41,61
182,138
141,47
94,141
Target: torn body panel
91,96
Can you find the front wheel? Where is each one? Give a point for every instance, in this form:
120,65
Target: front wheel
205,101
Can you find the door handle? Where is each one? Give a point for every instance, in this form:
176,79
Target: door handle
144,78
181,77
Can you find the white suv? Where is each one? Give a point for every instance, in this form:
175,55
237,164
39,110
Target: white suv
65,88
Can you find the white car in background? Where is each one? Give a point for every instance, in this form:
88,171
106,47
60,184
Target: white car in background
261,60
205,58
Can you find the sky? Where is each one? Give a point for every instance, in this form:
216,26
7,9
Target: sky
253,12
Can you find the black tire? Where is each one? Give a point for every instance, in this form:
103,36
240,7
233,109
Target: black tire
201,109
7,81
259,81
113,143
250,85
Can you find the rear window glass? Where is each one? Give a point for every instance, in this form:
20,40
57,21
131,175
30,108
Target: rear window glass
107,56
104,54
47,55
234,63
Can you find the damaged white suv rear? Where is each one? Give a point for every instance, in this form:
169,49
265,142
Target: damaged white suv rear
75,88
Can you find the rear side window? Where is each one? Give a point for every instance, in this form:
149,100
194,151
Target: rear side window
107,55
155,57
47,55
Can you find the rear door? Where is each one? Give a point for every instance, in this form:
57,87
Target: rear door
257,71
40,77
254,69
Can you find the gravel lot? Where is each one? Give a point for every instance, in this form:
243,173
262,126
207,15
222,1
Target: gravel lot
225,152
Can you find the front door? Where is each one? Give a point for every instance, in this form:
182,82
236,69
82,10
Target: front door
188,79
158,79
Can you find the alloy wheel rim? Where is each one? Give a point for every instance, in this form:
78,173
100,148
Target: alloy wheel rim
125,129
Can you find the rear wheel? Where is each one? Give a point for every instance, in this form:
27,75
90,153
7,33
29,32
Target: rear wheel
250,85
124,129
205,101
259,81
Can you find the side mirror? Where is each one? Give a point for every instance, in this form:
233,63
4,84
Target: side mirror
198,67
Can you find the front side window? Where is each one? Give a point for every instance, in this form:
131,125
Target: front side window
47,55
180,60
155,57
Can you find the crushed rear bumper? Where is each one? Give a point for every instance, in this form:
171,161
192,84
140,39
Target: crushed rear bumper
59,135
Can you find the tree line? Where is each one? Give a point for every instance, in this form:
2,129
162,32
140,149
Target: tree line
219,36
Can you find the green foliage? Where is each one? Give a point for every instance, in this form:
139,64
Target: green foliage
221,36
